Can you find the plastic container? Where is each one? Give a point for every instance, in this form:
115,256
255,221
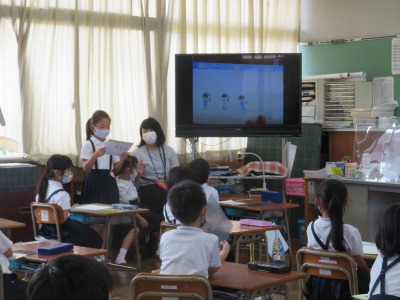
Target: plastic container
302,231
294,187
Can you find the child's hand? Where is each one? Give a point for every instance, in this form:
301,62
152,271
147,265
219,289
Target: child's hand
140,168
224,246
123,156
100,152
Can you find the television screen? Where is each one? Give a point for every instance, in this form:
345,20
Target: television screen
231,95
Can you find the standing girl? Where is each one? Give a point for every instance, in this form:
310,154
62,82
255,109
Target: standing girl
329,233
50,190
100,185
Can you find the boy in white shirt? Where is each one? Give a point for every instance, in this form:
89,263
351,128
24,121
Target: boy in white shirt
188,249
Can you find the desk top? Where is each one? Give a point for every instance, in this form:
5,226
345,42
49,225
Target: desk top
9,224
253,203
238,229
239,277
33,246
97,210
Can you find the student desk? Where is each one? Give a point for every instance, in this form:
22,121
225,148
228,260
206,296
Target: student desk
238,277
248,234
112,216
254,203
6,226
33,247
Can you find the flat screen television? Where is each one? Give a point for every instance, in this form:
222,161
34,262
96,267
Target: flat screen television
238,95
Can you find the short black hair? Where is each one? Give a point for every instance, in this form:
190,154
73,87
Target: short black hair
178,174
388,238
151,123
187,201
70,277
130,162
200,170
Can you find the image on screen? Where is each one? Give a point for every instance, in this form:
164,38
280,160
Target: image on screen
245,94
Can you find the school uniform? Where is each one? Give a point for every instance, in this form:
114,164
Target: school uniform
330,288
99,185
127,190
72,231
158,162
188,250
392,286
14,288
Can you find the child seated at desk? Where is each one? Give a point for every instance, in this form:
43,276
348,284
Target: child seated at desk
71,277
388,243
188,249
14,288
329,233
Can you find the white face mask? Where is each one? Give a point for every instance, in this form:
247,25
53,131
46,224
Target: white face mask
101,133
150,137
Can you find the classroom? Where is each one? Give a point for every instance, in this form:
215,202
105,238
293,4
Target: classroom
284,101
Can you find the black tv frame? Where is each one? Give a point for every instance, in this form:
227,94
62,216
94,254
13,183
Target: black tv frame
184,126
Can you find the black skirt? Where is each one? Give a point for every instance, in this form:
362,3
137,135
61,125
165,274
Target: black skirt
100,187
74,232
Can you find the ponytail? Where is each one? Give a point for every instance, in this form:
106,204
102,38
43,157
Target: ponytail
333,196
88,129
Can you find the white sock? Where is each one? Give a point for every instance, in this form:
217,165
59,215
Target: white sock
121,256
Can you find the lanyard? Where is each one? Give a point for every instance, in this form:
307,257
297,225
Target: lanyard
164,173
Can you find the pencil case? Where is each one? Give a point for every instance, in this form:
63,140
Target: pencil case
57,248
125,206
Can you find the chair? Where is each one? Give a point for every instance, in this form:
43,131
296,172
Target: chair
166,226
327,264
183,287
46,213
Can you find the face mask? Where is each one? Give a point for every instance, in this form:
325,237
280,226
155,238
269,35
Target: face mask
150,137
101,133
67,178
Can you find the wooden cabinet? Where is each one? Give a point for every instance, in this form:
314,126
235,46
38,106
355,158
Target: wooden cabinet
17,190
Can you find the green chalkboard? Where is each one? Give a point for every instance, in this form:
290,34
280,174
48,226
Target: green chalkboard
370,56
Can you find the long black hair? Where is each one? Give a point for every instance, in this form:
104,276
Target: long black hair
388,237
55,162
333,198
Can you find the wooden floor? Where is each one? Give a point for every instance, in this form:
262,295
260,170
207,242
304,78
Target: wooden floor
122,278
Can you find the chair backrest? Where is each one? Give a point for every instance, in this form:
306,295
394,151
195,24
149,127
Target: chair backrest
47,213
1,285
328,264
183,287
166,226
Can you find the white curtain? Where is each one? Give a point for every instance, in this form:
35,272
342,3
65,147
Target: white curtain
60,60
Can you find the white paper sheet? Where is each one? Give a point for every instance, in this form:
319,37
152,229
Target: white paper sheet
114,147
232,202
370,248
91,207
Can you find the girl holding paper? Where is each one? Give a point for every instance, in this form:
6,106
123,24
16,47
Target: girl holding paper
100,185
